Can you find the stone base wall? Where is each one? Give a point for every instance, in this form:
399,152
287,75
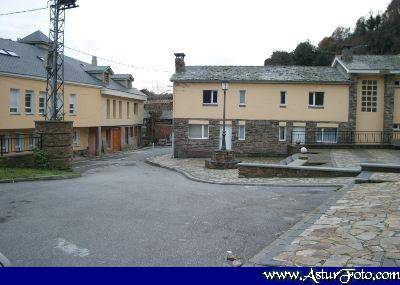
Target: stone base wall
22,160
57,142
262,138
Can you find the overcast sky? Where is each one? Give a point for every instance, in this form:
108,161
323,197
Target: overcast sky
146,33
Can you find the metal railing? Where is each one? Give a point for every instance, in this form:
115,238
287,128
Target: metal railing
344,137
12,144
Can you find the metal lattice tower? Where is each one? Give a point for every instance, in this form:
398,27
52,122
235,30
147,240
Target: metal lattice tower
55,60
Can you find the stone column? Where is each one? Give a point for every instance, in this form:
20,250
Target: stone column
353,94
99,141
389,103
57,137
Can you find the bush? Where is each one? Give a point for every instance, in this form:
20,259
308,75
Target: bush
41,158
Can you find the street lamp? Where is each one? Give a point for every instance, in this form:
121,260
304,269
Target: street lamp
225,87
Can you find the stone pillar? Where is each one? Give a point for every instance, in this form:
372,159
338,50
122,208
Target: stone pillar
389,103
57,137
353,95
99,141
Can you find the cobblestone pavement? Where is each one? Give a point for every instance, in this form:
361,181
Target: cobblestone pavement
195,167
351,158
361,229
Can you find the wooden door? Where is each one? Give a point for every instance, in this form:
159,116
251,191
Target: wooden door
116,139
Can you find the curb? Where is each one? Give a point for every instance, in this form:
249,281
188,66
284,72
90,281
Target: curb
266,256
41,178
191,177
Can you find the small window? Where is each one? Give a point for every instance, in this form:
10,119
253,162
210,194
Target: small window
397,83
242,133
282,134
14,101
73,104
114,109
128,112
396,127
108,108
77,138
120,109
8,52
135,108
29,102
42,103
316,99
242,98
198,131
369,96
106,77
210,97
283,98
41,58
326,135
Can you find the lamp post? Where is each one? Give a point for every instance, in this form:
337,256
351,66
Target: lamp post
225,87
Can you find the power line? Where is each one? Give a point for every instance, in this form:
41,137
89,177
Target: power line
23,11
119,63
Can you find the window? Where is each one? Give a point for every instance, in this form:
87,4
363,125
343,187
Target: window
316,99
397,83
128,113
41,58
72,104
42,103
108,108
20,143
106,77
326,135
8,52
29,102
114,109
396,127
283,98
14,101
242,98
198,131
369,96
77,137
282,134
242,133
120,109
210,97
135,108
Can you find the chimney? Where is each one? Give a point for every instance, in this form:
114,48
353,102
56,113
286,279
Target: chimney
180,62
347,54
94,60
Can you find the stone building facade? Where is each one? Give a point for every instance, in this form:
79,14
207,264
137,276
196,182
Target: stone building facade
268,108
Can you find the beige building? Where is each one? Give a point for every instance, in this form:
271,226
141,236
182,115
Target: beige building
268,108
106,110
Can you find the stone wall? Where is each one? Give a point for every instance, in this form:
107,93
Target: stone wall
57,142
389,103
262,138
18,160
247,170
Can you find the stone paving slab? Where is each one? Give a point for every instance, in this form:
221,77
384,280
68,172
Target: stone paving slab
361,229
354,157
195,168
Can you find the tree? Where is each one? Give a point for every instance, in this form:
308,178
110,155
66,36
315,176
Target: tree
279,58
304,54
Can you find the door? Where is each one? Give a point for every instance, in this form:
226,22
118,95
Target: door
116,140
299,135
228,137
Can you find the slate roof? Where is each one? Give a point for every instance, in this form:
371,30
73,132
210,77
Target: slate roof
36,37
122,76
28,64
293,74
373,62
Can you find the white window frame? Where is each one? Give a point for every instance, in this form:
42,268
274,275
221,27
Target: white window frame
42,95
214,93
204,135
280,99
284,133
322,140
396,127
17,106
29,109
397,83
77,138
73,104
314,94
244,133
369,94
244,93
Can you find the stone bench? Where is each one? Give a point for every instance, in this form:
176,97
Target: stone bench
254,170
378,167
